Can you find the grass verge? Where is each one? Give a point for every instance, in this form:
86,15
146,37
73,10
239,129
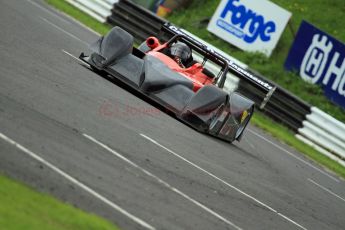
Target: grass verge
23,208
259,120
287,136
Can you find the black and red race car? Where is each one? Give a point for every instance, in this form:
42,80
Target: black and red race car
169,75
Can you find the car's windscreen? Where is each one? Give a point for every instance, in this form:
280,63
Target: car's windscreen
231,82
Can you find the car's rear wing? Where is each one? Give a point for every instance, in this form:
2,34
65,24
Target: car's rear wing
255,81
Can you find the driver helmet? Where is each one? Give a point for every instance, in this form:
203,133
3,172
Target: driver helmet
181,51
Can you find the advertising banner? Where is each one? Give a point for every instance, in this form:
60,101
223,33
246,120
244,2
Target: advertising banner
319,59
249,25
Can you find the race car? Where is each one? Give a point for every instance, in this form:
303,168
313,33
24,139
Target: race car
167,74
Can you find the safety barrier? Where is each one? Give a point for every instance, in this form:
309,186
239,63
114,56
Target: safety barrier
137,20
98,9
325,134
283,106
312,126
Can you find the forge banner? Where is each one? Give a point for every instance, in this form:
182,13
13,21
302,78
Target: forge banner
254,26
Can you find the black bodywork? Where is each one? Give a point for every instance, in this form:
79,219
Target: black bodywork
210,109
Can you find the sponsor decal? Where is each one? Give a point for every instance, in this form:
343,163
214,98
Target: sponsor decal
244,115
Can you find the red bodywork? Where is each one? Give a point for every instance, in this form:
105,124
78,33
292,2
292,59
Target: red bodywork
194,72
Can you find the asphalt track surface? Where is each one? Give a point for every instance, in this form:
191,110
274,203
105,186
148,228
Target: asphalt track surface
68,132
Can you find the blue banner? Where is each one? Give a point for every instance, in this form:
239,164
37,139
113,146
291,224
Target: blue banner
319,59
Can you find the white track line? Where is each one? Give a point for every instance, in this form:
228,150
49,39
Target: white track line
222,181
326,189
294,156
48,11
57,15
165,184
77,183
80,24
248,142
64,31
74,57
291,154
